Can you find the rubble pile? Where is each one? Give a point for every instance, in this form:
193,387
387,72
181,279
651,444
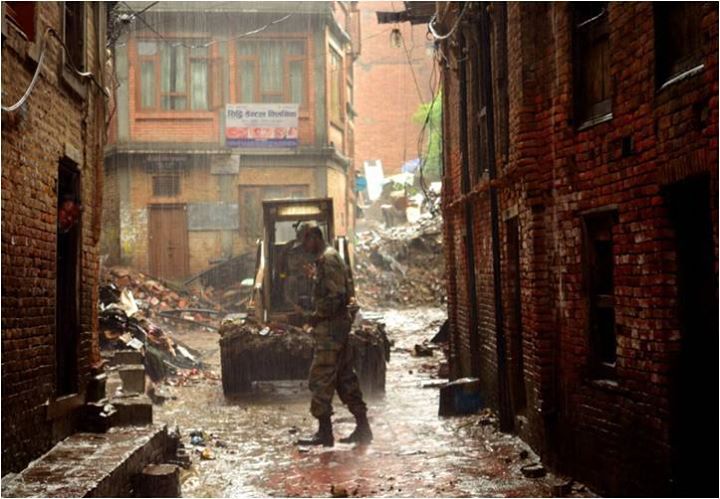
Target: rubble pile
253,351
160,302
229,283
130,308
401,266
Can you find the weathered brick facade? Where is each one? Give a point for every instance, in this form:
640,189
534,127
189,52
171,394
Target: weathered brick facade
189,146
386,96
647,169
61,123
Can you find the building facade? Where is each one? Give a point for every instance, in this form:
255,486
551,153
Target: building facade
580,199
220,106
52,147
394,76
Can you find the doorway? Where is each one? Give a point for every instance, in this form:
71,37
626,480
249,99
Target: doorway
517,361
168,241
67,292
694,409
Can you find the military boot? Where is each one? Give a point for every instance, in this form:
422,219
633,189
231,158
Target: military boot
362,433
324,435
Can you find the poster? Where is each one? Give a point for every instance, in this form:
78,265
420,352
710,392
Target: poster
261,125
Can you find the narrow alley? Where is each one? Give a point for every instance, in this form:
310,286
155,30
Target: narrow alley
368,248
414,453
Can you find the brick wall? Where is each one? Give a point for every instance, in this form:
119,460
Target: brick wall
385,93
54,124
614,433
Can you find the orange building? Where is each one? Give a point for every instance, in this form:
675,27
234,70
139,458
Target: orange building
219,106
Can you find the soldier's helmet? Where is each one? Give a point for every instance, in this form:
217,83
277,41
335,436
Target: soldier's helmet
300,231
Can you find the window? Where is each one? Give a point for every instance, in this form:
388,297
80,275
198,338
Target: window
677,36
183,73
592,61
336,87
22,15
251,198
599,266
74,32
271,71
166,185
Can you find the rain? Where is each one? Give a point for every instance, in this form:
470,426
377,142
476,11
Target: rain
357,248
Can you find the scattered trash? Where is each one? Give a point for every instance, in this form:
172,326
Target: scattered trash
533,470
562,489
422,351
206,454
338,491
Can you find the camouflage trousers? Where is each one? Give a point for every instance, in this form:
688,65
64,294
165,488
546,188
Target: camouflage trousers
332,369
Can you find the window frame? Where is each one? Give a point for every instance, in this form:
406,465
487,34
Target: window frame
83,35
174,179
668,71
156,59
339,85
287,61
606,219
586,35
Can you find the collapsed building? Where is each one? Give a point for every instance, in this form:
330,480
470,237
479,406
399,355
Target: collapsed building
580,199
220,106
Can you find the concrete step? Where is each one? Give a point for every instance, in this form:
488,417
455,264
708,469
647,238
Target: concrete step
132,410
92,464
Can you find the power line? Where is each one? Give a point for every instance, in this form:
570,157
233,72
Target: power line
203,45
447,35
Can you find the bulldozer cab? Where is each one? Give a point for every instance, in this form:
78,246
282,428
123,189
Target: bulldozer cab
282,290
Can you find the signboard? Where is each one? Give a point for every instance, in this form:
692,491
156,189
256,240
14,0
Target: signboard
261,125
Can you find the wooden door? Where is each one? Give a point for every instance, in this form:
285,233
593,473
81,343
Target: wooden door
168,241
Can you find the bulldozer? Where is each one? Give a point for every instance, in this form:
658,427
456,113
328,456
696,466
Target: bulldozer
271,342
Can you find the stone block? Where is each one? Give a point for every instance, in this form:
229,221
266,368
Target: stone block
132,411
129,357
133,378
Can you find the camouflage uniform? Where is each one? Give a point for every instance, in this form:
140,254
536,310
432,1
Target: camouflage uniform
332,366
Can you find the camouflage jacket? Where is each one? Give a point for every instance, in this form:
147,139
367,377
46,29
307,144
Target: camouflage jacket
331,291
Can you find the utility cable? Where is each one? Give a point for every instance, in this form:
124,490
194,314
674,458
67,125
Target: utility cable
136,15
447,35
41,58
30,87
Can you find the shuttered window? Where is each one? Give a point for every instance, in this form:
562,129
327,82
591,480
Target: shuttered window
592,61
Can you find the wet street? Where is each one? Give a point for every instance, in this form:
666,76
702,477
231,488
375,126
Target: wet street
250,441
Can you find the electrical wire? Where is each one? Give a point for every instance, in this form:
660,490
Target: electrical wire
30,87
434,33
175,43
41,58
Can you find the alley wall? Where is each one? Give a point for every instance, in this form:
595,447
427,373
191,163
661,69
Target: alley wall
584,357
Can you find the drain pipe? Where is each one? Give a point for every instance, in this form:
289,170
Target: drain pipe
506,418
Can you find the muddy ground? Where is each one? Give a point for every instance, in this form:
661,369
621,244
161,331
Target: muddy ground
250,441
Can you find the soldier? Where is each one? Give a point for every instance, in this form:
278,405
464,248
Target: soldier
297,287
332,368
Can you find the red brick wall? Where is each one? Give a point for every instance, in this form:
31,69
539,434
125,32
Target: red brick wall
34,139
614,437
385,94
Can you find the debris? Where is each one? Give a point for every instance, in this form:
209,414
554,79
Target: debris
533,470
461,396
422,351
562,489
338,491
401,266
524,454
251,351
206,454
